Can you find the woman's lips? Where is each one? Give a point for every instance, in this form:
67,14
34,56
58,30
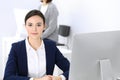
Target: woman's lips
34,33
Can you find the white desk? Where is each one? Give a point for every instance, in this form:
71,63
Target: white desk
6,45
66,52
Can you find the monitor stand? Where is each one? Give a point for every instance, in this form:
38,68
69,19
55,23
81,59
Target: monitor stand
106,70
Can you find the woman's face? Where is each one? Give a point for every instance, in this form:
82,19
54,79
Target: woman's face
35,26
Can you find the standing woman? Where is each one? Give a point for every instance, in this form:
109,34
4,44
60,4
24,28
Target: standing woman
51,15
35,58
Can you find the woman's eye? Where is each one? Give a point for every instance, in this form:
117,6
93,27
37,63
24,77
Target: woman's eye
38,25
29,24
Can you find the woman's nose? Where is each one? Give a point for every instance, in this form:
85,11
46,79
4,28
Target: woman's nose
35,28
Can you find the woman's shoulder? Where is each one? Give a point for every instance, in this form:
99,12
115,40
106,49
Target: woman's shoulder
52,5
52,8
18,43
49,42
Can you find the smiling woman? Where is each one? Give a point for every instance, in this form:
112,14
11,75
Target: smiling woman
35,51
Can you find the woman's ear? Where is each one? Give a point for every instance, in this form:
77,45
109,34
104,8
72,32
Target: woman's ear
45,27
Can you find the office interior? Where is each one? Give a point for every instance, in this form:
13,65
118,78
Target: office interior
83,16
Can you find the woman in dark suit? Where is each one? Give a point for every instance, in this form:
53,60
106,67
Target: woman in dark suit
35,58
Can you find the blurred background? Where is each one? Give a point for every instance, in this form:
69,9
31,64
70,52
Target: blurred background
83,16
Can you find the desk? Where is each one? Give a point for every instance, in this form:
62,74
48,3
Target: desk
66,52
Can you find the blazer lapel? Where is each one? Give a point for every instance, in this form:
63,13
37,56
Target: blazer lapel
23,59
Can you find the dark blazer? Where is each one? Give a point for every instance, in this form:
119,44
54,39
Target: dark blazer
17,68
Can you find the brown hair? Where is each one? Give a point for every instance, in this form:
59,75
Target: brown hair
33,13
47,1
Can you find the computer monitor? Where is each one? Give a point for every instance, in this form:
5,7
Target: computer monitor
87,51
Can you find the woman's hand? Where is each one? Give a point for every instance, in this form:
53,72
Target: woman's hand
56,78
47,77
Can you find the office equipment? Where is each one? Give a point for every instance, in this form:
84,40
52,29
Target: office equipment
64,32
88,49
106,69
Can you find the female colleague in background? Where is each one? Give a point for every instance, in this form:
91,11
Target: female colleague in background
35,58
51,15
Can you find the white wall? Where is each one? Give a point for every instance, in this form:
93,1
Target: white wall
90,15
82,15
96,15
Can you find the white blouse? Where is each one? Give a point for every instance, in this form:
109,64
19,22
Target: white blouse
36,60
44,9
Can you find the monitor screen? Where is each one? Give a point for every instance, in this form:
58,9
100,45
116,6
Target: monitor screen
87,51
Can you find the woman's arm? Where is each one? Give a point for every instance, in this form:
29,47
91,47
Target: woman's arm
12,67
62,63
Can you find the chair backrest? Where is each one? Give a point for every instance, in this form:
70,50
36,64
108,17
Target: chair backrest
64,30
19,16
